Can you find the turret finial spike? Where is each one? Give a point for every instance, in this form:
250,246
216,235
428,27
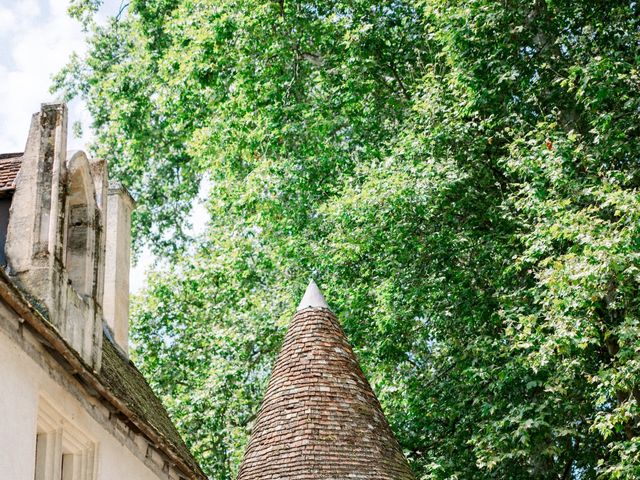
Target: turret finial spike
313,298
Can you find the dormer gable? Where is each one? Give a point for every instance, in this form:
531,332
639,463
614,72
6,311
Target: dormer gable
56,236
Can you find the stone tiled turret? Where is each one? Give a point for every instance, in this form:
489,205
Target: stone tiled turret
320,418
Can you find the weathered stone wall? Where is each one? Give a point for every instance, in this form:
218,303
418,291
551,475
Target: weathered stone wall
117,263
55,239
56,247
30,373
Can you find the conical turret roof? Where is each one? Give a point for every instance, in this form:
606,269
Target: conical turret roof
319,418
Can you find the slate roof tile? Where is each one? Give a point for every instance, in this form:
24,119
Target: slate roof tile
320,418
126,382
10,164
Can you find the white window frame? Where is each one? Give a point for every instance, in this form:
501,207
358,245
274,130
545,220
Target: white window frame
63,452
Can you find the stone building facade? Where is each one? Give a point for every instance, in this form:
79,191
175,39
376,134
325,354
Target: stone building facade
73,406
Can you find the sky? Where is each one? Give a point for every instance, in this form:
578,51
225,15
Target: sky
36,39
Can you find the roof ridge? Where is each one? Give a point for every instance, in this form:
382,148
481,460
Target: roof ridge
6,156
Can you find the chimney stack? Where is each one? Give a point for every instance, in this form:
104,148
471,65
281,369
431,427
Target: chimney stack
115,306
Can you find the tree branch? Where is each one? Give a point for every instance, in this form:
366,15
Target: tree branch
396,75
123,7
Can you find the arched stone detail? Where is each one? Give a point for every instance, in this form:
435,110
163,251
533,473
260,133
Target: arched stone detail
55,237
81,226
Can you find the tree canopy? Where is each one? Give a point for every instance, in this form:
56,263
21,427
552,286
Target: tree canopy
461,177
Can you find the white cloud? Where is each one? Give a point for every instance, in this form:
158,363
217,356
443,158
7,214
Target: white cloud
27,8
58,7
37,38
7,20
